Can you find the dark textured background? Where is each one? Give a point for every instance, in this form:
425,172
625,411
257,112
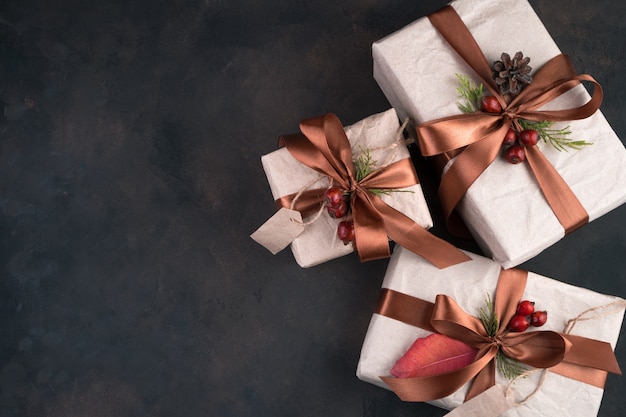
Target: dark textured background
130,180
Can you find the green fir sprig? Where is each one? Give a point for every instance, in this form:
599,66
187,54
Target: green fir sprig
470,93
558,138
488,317
509,368
364,165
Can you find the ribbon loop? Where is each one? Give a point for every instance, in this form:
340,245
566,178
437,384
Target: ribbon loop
450,319
542,349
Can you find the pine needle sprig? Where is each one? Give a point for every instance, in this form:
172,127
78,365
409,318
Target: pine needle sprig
380,191
471,94
488,317
509,368
364,165
558,138
387,191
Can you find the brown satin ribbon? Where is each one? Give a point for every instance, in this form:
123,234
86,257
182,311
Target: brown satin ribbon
324,146
576,357
477,137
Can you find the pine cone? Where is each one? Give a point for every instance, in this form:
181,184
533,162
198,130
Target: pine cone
511,75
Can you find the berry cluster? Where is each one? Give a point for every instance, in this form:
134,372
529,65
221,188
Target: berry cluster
337,206
526,316
513,141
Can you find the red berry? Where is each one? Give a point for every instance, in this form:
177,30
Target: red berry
519,323
539,318
529,137
525,308
345,231
515,154
339,210
510,138
333,196
490,104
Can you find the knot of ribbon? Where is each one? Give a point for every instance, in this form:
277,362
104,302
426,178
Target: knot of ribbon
577,357
324,146
476,138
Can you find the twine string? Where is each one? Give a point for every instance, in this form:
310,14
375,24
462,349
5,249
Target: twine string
610,308
398,141
302,190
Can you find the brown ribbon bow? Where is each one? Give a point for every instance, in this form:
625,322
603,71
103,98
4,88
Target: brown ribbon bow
577,357
324,146
477,137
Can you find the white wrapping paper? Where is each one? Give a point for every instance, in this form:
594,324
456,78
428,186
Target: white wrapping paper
319,243
388,339
511,220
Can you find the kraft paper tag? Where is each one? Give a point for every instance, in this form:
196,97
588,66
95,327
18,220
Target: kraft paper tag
491,403
279,230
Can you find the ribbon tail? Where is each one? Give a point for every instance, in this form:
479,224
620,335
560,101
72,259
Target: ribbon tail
588,361
564,203
369,228
414,237
485,379
591,353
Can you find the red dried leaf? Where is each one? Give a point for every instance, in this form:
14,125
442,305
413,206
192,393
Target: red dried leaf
432,355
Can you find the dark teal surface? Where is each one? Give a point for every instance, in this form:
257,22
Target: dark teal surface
130,179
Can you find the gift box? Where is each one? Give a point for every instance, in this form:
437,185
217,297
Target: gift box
378,134
504,209
387,338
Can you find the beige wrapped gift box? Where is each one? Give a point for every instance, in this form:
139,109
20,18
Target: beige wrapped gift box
388,339
511,220
318,243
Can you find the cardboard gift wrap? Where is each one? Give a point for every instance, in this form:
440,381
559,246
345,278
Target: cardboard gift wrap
504,207
402,211
409,275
